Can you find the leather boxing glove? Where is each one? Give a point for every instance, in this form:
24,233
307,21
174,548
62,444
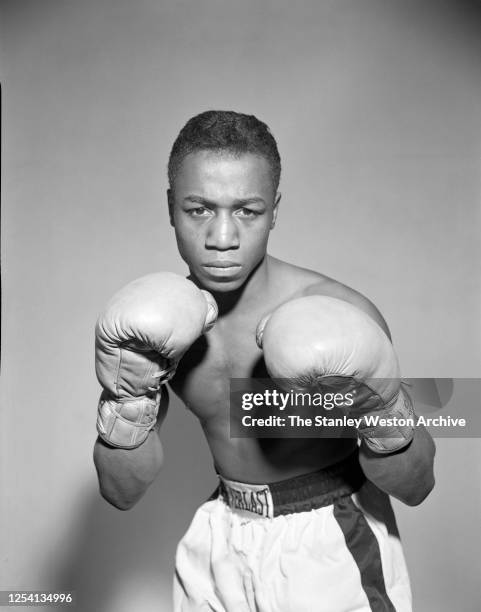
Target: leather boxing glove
140,337
318,342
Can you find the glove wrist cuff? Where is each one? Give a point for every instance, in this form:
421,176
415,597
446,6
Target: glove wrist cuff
126,423
395,429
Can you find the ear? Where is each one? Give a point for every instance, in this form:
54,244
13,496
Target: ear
275,209
170,201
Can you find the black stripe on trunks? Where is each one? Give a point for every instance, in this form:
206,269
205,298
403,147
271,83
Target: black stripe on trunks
364,548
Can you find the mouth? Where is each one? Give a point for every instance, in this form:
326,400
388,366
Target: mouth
222,267
222,263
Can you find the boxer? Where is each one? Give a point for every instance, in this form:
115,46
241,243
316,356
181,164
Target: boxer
300,524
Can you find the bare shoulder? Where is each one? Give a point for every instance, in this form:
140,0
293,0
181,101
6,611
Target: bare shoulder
301,282
290,280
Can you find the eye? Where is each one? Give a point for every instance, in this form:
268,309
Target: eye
247,212
199,211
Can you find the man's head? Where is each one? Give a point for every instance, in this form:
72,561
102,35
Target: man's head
224,172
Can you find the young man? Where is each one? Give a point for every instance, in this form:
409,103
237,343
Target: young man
297,524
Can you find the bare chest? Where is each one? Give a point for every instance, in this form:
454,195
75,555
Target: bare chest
203,378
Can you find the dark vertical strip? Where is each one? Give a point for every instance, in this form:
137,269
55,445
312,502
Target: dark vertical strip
364,548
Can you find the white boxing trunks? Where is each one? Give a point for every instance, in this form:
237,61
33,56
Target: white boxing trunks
321,542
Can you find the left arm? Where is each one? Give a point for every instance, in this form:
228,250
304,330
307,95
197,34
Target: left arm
406,474
310,340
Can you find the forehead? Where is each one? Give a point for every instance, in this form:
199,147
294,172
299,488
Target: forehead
205,171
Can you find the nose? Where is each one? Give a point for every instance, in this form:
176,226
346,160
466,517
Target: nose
223,233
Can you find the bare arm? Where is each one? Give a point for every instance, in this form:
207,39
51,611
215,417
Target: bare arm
407,474
124,475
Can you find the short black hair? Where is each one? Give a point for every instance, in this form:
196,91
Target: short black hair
229,131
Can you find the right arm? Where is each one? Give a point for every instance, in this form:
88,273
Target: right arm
124,475
140,337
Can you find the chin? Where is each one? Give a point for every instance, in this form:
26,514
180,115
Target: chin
219,285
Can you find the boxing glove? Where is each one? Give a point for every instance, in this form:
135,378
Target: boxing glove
318,342
139,339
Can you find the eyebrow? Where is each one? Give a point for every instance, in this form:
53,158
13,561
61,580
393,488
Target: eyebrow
238,202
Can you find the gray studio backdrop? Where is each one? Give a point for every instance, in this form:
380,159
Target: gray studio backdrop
375,105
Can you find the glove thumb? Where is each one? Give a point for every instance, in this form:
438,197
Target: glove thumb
212,310
260,329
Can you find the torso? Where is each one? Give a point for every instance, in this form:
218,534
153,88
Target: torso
228,351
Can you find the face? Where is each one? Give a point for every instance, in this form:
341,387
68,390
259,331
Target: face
222,208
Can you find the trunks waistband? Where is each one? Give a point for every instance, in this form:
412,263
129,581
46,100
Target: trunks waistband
299,494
